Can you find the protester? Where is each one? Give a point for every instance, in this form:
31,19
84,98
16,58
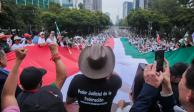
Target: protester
41,40
60,40
35,38
98,85
42,99
52,38
153,81
186,89
145,44
28,40
149,93
17,43
3,42
8,100
176,72
3,72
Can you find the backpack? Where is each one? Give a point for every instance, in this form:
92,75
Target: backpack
46,99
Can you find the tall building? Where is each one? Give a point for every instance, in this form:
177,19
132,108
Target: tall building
127,7
38,3
67,3
93,5
143,4
97,5
88,4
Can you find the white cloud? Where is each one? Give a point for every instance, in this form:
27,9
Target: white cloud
114,7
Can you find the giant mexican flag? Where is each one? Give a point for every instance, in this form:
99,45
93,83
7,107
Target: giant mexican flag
127,61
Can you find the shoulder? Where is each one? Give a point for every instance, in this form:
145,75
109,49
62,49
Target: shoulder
115,80
115,77
79,77
51,91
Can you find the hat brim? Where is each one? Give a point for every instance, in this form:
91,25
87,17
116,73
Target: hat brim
91,73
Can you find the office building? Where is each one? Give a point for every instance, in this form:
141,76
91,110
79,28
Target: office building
127,7
93,5
38,3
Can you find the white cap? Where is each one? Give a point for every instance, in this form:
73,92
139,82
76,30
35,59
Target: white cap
41,33
17,38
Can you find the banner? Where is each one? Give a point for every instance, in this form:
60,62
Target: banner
181,55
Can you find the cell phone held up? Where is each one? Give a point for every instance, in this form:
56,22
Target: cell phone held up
159,58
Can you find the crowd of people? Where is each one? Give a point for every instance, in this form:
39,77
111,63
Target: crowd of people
145,44
170,90
12,42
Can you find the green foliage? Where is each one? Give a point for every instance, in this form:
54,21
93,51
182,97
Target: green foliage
141,20
71,20
170,17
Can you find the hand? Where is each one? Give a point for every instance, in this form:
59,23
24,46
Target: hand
166,84
166,73
151,77
20,53
53,49
121,104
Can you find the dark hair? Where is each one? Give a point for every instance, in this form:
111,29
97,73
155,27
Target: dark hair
190,76
178,69
138,83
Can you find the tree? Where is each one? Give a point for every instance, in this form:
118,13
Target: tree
81,6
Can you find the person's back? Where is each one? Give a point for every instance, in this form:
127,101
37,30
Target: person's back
97,87
36,98
94,95
46,99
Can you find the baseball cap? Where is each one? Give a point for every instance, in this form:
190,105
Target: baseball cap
26,35
17,38
31,77
41,33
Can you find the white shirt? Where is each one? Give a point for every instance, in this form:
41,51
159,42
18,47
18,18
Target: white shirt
51,41
41,40
9,42
29,44
16,46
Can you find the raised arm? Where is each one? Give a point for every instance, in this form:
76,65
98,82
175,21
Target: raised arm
149,91
60,67
8,93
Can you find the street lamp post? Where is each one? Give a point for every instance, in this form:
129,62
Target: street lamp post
150,28
0,6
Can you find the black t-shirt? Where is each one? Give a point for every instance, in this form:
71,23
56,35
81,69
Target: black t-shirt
94,95
46,99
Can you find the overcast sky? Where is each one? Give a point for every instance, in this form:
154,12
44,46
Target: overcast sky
114,7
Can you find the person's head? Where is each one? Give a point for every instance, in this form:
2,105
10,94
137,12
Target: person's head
3,37
17,40
3,59
97,61
52,33
42,34
31,78
176,72
28,38
186,88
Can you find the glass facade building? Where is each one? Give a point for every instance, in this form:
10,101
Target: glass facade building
38,3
